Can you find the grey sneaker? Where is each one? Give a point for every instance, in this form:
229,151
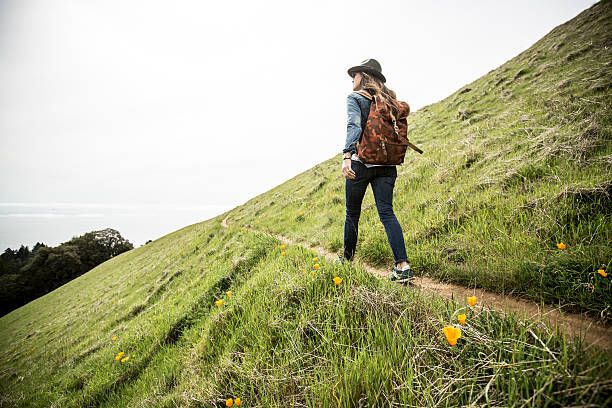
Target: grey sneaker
400,276
341,260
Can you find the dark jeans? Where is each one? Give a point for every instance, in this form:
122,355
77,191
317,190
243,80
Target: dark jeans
383,181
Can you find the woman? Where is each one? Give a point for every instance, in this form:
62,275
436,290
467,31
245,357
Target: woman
368,80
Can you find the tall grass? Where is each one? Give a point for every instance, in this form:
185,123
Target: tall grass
288,336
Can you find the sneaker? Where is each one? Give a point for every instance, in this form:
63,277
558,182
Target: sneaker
341,260
401,276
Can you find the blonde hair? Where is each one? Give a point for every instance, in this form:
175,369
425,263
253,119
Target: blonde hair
376,87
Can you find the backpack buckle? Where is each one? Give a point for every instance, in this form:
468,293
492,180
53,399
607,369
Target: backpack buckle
395,127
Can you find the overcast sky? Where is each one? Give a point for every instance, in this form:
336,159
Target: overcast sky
211,103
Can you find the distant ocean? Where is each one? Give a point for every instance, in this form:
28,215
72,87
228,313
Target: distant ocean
54,223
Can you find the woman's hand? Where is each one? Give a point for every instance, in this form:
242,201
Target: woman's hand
347,171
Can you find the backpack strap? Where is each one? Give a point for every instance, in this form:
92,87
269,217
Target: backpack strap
415,148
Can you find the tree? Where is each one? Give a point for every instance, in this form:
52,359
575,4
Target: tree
26,275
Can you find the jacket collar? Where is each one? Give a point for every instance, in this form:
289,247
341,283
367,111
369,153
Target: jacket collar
365,94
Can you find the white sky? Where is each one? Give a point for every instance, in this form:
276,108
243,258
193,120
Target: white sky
211,103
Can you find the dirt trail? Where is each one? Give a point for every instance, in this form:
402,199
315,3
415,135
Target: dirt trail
570,324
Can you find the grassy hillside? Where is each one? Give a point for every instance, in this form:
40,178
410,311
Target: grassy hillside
510,171
288,336
515,162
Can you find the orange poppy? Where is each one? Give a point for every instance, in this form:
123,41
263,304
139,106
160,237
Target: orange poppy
452,334
461,318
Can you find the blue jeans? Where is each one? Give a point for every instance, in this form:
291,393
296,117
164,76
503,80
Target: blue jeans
382,180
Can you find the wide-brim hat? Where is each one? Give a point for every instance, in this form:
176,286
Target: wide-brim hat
369,66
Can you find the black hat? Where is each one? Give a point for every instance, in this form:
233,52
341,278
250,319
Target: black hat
370,66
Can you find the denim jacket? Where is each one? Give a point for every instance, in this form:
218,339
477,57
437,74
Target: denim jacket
357,108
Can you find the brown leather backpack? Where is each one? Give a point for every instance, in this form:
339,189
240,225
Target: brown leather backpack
384,139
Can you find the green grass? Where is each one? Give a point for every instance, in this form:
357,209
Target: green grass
515,162
287,337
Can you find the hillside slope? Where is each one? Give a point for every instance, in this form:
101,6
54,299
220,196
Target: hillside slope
515,162
287,335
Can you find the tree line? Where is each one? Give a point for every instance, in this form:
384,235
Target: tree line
28,274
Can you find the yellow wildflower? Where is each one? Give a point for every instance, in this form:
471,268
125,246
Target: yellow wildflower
452,334
114,338
121,353
462,319
124,359
471,300
283,246
602,272
283,253
219,302
316,266
337,280
315,259
561,246
229,293
229,402
117,357
238,402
